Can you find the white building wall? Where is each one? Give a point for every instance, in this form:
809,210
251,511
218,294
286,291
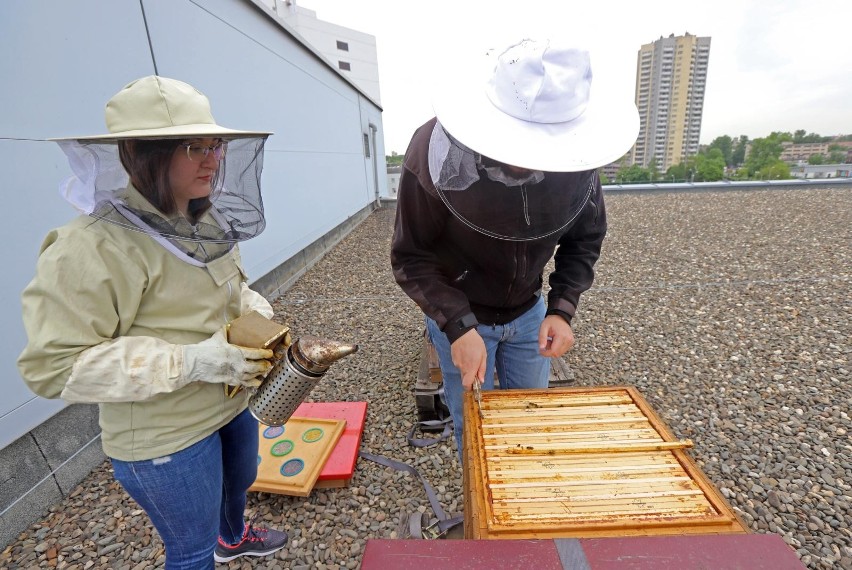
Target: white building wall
361,55
821,171
257,76
394,174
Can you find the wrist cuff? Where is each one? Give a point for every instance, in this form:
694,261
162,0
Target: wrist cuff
456,328
562,314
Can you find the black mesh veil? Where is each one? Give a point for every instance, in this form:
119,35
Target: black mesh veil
100,188
500,202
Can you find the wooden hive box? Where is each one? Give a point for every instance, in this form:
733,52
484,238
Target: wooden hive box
581,462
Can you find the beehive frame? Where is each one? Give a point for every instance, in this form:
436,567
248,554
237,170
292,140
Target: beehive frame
581,462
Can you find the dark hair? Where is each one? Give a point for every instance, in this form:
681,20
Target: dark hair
147,162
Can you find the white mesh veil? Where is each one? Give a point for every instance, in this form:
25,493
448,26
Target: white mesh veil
504,205
100,187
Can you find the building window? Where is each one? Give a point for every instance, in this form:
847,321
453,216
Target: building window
342,46
366,145
344,65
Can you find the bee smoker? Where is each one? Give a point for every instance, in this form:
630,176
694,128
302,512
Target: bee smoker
298,369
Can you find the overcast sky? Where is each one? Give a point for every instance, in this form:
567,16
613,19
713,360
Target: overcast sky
778,65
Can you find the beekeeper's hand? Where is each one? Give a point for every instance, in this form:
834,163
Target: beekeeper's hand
217,361
470,356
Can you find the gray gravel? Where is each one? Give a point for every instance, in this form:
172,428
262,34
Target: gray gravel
729,311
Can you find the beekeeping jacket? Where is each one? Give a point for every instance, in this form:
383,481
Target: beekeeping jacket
104,311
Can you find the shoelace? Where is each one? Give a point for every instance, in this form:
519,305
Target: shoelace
251,533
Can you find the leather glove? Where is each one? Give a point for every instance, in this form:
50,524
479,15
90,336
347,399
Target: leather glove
216,361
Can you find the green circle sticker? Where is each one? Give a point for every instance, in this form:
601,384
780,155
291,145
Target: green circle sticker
282,447
312,435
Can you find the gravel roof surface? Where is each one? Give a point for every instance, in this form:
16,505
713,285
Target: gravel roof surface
729,311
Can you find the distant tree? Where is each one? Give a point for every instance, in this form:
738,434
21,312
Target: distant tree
653,169
740,174
781,136
739,151
710,166
603,178
677,172
764,152
394,159
800,137
632,173
778,170
845,138
837,157
726,146
816,159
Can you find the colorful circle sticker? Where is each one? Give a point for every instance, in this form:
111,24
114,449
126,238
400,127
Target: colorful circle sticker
312,435
292,467
282,447
273,432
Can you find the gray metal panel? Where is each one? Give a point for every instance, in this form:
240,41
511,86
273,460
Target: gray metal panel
54,67
32,194
57,75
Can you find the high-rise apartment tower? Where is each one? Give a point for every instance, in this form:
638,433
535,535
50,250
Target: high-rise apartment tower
671,74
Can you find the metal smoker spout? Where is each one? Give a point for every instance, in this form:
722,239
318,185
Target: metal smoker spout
317,354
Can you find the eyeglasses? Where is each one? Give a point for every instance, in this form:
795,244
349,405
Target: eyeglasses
197,152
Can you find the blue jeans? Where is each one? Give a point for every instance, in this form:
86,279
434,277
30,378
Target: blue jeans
512,350
197,494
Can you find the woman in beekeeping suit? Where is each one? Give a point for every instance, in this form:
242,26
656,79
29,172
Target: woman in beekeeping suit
128,310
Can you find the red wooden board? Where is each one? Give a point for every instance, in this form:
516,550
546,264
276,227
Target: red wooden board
341,463
718,551
688,552
389,554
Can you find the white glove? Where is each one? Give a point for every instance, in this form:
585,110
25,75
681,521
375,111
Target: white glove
251,300
219,362
134,368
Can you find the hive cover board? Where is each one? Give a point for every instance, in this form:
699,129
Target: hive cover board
581,462
291,457
340,466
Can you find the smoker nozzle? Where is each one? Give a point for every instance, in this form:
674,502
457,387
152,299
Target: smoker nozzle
317,354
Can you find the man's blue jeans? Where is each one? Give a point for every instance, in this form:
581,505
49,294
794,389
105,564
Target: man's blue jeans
512,350
197,494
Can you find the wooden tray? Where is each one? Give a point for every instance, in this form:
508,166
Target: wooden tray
291,457
581,462
340,466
